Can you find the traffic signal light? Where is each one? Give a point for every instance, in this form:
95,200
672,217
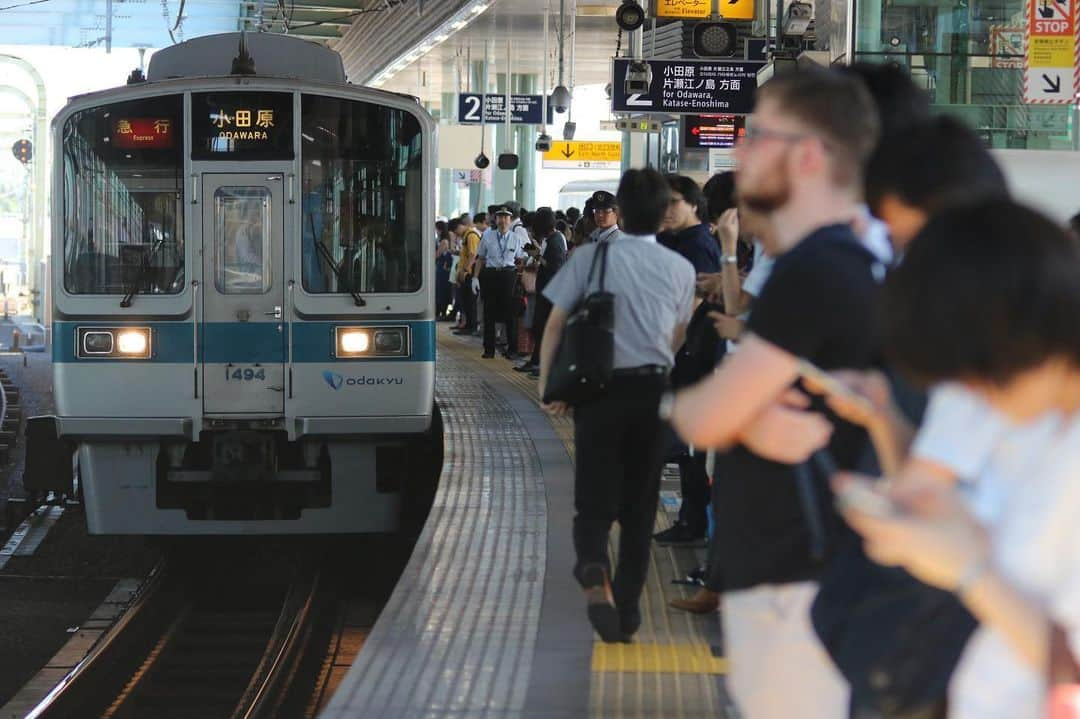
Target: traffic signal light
714,39
23,151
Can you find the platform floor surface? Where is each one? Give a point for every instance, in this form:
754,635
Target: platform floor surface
487,620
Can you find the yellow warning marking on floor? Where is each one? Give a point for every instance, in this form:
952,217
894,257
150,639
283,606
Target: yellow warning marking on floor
656,658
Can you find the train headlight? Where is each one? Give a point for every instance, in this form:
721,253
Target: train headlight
132,343
361,342
352,342
389,342
97,343
114,343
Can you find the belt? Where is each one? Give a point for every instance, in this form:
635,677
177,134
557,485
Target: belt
500,269
646,370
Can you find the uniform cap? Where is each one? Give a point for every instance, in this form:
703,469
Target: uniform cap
603,200
503,211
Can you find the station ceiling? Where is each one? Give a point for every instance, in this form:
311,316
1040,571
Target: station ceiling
430,44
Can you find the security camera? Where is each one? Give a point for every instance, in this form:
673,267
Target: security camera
543,143
568,130
630,16
560,98
608,90
638,77
508,161
797,18
481,161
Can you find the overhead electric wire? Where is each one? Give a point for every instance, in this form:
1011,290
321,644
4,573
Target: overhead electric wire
22,4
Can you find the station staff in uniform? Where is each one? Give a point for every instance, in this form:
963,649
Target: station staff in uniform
618,437
606,217
500,249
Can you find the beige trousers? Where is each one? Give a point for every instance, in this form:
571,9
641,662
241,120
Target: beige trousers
777,667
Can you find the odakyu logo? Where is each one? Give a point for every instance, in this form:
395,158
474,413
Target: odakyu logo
337,381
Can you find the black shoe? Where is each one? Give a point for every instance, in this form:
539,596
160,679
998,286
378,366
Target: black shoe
488,355
680,534
600,605
465,331
510,355
535,373
527,367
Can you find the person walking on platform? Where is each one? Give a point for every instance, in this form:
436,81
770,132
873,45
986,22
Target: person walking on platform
617,437
496,262
605,217
801,164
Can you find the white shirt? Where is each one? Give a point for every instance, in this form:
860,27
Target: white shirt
1035,545
500,250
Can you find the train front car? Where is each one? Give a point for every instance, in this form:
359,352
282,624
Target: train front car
243,330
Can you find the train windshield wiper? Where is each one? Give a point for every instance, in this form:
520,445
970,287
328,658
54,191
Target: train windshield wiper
339,269
143,275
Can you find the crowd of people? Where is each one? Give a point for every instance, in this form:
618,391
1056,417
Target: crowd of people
863,355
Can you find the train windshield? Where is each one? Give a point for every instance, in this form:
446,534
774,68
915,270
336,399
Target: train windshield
122,198
362,188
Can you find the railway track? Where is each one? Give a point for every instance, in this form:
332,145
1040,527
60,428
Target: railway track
193,645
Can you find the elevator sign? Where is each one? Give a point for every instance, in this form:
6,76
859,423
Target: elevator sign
1050,60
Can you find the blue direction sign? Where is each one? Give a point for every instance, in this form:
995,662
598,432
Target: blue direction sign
525,109
689,87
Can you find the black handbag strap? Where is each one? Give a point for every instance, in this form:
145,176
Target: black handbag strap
601,255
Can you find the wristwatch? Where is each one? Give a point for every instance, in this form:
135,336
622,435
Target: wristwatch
667,404
729,260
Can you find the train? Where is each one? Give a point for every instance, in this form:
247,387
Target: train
242,296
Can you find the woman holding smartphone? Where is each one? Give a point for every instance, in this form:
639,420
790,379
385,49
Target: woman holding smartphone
987,296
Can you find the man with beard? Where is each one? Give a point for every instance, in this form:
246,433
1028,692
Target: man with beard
801,165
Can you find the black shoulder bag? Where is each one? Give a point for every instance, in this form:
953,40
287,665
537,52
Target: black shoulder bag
584,363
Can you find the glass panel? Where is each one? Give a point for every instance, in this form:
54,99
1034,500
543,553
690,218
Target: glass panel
969,56
242,228
123,198
363,184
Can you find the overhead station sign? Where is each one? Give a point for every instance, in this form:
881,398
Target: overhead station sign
474,108
1050,58
584,155
684,8
689,87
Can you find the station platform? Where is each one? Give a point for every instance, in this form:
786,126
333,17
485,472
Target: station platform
487,620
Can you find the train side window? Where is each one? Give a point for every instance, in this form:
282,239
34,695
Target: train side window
242,240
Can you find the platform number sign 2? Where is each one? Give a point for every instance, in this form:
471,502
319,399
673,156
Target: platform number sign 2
471,111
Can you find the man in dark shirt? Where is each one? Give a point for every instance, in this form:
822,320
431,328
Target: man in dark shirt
801,164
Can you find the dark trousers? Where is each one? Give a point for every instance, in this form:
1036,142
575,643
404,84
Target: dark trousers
619,457
540,318
694,484
497,289
468,303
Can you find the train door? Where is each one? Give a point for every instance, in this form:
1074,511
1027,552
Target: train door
243,298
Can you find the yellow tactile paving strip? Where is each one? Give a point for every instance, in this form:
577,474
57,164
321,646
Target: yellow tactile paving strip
658,658
670,670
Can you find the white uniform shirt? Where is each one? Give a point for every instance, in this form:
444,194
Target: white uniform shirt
499,250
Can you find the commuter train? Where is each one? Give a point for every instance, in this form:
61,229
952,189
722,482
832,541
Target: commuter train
242,295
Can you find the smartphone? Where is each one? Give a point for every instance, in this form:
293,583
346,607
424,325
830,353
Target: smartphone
865,499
